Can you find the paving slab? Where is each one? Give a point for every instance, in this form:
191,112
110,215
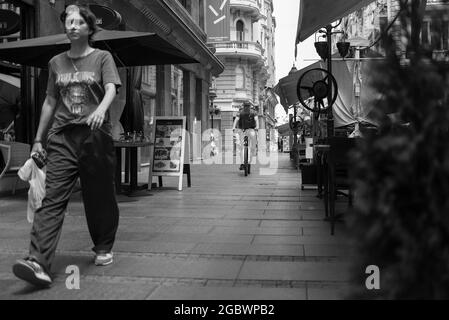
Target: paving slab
88,290
299,271
305,240
153,267
153,247
337,293
251,249
329,250
256,230
226,293
292,223
203,238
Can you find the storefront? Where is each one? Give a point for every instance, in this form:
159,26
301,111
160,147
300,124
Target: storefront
163,89
157,90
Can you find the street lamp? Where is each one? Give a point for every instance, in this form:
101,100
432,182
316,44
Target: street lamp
324,49
213,110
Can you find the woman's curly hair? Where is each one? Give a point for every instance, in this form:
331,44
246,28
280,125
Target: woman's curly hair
88,16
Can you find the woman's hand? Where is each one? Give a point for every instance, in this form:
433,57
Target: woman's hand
96,119
37,147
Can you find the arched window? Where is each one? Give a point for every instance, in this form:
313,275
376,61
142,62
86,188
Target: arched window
240,29
239,77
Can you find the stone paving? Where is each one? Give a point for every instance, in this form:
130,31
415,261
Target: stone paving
227,237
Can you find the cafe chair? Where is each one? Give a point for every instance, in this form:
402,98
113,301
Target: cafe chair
15,154
339,166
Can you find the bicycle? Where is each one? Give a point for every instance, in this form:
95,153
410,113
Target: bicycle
246,153
246,164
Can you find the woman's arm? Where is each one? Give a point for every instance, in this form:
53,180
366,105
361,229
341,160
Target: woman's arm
48,108
96,119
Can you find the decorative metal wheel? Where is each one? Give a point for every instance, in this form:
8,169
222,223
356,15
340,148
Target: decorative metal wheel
317,84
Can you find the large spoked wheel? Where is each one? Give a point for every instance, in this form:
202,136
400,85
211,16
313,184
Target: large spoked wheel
320,85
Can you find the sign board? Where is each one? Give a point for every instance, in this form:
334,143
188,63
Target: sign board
9,22
107,18
169,148
218,20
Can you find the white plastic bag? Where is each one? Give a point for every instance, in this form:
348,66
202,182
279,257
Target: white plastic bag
36,177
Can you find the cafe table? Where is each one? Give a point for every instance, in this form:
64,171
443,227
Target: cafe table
132,189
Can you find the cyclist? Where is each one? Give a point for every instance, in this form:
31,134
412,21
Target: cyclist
246,120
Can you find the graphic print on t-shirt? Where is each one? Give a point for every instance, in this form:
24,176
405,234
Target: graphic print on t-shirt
75,91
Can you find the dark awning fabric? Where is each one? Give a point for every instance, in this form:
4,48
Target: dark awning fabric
316,14
284,129
129,48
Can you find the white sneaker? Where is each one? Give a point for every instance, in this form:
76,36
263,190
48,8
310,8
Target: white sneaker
31,272
103,259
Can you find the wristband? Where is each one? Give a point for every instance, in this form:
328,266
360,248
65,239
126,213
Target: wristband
37,141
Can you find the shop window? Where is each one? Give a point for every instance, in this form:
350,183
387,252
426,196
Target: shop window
149,79
149,110
445,35
425,33
177,93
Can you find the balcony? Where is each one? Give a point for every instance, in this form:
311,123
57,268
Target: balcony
251,50
251,7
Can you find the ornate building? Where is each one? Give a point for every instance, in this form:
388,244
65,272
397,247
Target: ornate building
246,48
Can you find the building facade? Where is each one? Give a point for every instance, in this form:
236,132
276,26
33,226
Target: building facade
165,89
368,22
247,52
161,90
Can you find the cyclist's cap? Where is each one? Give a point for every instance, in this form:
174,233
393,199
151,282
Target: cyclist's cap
247,103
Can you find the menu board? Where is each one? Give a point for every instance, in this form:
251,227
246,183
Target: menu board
169,144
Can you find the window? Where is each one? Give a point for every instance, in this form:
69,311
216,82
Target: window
202,20
185,4
445,35
177,93
240,28
425,34
239,77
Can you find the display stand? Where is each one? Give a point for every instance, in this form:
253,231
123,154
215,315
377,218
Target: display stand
168,149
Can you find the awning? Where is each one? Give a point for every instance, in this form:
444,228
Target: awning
286,88
347,73
316,14
284,129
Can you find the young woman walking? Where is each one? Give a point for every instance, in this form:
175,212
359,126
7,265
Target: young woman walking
82,83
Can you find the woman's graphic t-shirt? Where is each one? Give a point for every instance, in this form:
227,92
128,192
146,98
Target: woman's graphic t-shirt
78,86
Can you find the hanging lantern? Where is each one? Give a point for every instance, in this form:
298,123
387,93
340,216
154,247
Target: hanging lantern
343,48
322,49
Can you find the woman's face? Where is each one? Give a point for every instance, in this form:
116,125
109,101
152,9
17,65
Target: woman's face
76,27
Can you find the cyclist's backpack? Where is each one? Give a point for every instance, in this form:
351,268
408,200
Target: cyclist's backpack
247,120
